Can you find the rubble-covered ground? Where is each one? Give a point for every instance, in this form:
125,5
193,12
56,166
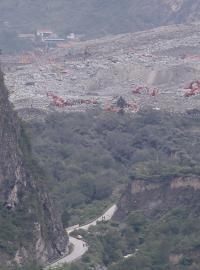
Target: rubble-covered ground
167,58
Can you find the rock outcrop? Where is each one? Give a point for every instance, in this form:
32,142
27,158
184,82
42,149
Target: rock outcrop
154,198
29,226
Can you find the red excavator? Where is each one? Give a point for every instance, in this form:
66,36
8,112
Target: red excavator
144,89
192,89
60,102
153,92
132,106
138,90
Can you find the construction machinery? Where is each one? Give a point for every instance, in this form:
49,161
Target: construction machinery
153,92
138,90
60,102
117,104
192,89
121,105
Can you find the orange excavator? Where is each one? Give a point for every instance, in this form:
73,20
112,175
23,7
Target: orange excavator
192,89
153,92
27,58
112,109
138,90
60,102
132,106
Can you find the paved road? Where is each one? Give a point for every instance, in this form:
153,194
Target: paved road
79,249
79,246
106,216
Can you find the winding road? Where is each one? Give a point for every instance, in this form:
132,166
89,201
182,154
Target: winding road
79,246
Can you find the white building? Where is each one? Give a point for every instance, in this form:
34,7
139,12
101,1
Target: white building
44,34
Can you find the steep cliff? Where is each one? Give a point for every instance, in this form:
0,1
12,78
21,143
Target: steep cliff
154,198
162,224
29,225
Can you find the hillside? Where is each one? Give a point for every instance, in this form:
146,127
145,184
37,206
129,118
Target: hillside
164,58
162,219
29,226
152,159
112,118
95,18
88,156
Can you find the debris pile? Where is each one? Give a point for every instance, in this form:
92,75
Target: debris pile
145,68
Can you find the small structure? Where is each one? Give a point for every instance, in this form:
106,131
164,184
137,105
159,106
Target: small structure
48,37
44,34
30,37
71,36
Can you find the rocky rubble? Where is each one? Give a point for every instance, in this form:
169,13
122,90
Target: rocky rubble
109,67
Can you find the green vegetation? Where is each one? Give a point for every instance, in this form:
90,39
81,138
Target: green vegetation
16,223
32,265
24,203
15,228
88,157
81,173
169,243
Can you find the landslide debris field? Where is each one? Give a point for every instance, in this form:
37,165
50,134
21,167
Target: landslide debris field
160,63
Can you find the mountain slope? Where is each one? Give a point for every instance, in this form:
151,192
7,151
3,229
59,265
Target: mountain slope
94,17
29,225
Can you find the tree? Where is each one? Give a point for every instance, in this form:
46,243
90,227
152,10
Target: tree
65,218
87,186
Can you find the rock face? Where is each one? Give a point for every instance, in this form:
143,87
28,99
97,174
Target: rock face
154,198
29,225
